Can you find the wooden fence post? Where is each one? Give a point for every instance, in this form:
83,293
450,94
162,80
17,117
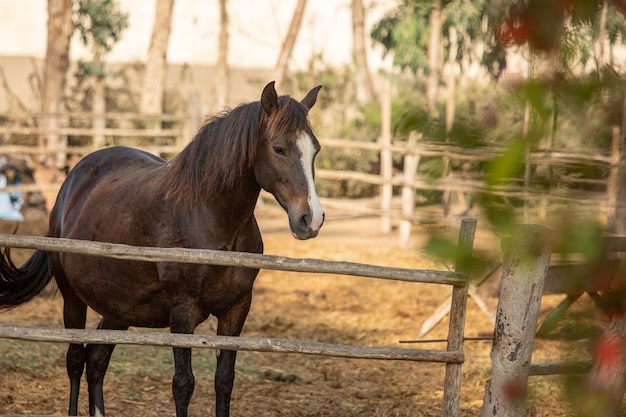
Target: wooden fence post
386,159
613,181
456,328
526,261
411,160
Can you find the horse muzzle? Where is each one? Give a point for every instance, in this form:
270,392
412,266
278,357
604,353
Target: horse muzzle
305,224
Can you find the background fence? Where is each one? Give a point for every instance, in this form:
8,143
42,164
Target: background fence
394,173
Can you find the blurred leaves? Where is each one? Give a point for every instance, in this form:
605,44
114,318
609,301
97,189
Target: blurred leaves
507,165
100,22
405,31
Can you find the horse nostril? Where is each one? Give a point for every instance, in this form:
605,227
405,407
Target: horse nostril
305,220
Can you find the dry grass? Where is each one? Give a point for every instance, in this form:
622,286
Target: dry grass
287,305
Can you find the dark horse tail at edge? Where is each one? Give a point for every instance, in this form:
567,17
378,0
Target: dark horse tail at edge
19,285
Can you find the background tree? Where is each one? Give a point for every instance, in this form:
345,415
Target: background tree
222,78
60,30
421,35
418,34
156,64
101,24
365,92
286,49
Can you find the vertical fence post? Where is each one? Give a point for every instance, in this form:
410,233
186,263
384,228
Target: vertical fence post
456,327
411,160
386,161
526,261
613,181
98,108
191,122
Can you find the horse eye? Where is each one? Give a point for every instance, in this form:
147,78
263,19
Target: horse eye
278,150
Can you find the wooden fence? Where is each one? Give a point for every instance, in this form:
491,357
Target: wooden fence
175,131
453,356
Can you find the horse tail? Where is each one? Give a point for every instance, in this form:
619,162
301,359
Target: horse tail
19,285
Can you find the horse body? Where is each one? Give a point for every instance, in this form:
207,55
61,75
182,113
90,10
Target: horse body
141,293
204,198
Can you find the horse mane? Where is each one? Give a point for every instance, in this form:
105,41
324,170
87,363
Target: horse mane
225,148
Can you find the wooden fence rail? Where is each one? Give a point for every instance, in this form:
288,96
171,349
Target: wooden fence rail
228,258
117,337
453,356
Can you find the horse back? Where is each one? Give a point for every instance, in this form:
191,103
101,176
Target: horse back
91,171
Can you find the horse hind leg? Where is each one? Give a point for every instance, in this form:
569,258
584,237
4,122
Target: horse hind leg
74,317
97,359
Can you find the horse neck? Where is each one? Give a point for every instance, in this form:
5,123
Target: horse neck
238,202
230,206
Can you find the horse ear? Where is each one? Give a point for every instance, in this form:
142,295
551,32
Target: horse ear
311,97
269,98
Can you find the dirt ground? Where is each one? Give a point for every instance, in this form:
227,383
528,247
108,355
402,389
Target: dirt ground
324,308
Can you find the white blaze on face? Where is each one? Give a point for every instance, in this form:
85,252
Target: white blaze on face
307,153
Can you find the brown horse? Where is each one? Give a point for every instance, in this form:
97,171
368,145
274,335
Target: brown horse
203,198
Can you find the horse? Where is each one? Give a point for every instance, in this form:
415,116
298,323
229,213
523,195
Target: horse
203,198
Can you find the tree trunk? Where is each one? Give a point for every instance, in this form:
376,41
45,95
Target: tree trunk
434,46
365,92
450,111
98,108
526,257
290,40
600,43
222,77
154,75
60,29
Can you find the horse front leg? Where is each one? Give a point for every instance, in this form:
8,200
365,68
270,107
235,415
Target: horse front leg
183,382
229,324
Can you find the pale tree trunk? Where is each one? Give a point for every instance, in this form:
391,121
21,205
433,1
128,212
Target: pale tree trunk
98,108
365,91
282,63
526,257
98,103
222,77
600,43
60,29
154,74
434,46
450,112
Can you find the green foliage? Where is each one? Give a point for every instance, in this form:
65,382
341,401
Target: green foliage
405,31
100,23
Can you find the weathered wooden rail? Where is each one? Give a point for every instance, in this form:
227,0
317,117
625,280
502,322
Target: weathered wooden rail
453,356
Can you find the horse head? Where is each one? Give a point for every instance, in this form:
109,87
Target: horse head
285,159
